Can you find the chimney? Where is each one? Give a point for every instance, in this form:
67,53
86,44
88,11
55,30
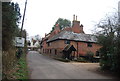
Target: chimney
57,28
73,17
57,25
45,34
76,27
76,18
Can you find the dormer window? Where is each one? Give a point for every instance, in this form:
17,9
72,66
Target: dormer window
67,42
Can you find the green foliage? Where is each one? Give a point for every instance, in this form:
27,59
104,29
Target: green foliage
89,56
10,20
110,43
22,72
108,52
81,59
62,23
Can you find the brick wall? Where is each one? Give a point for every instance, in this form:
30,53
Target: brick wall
55,48
83,48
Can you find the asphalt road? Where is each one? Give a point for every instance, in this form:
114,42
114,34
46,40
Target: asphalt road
44,67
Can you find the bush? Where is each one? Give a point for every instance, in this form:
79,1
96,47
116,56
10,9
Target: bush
81,59
89,56
22,71
8,62
110,61
110,42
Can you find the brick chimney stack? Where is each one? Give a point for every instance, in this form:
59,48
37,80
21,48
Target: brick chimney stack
57,29
76,27
74,18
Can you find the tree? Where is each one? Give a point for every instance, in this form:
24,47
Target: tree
62,23
10,20
108,38
29,43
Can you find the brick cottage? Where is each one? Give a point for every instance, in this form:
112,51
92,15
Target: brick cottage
55,42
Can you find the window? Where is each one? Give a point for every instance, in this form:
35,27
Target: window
55,51
49,44
89,44
50,51
67,42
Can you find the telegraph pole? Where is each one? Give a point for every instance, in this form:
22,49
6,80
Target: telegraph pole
23,18
119,19
21,32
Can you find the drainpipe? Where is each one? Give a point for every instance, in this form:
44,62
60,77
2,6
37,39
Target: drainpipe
77,49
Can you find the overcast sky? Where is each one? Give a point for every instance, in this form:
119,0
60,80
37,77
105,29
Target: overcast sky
41,15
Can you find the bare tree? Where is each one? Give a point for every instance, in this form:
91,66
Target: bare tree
108,37
107,26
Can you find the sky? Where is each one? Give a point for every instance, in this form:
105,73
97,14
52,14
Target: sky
41,15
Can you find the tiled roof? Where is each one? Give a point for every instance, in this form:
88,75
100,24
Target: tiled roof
67,35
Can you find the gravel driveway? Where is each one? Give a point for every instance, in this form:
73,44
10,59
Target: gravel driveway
43,67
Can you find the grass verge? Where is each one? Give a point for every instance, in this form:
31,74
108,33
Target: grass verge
21,72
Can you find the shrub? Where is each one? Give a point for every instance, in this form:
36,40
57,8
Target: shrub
81,59
89,56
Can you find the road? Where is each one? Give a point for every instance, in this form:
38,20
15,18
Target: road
44,67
